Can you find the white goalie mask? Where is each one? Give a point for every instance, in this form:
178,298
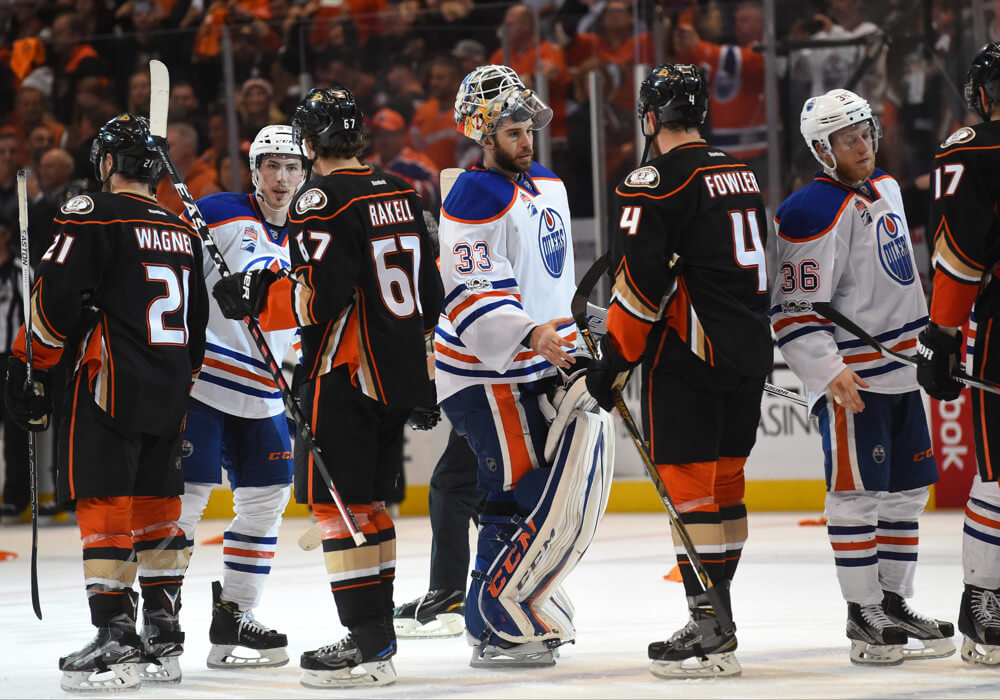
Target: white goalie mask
489,95
825,114
274,140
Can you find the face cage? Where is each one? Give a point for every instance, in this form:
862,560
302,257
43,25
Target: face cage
471,101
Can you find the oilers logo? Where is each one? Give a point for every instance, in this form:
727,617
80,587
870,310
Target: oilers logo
552,241
267,262
894,249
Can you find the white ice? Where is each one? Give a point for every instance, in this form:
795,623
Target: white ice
787,604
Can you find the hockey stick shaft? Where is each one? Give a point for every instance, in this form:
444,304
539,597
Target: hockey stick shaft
578,308
22,212
848,325
303,429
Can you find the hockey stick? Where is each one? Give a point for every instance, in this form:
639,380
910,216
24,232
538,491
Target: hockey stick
22,215
848,325
448,177
578,308
159,96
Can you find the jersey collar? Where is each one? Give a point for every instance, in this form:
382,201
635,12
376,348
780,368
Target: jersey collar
523,180
865,190
277,234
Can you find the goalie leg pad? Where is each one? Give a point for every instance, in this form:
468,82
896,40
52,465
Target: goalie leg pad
565,502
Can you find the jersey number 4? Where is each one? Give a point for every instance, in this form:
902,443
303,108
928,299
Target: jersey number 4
395,283
749,253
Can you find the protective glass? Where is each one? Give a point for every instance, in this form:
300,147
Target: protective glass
848,137
518,105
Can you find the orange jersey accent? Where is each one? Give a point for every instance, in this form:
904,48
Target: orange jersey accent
433,133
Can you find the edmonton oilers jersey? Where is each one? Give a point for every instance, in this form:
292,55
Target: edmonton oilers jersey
507,266
234,378
850,247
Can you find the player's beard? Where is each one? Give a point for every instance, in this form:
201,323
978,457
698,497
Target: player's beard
852,172
508,161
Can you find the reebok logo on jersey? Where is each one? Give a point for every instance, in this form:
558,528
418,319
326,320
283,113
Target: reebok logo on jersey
81,204
643,177
311,199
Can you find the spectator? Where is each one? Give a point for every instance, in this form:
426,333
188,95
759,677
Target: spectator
404,91
225,174
390,153
368,14
9,165
55,172
90,115
39,141
218,134
470,54
432,130
200,177
256,107
345,69
30,110
72,59
138,92
253,14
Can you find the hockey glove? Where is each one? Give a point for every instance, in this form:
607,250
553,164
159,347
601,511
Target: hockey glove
30,407
424,418
937,357
607,376
243,294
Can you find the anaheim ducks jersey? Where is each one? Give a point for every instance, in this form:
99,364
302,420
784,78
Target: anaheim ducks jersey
507,266
234,377
965,192
705,206
849,247
364,285
140,267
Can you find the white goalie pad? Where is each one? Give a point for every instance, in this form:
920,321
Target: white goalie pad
521,598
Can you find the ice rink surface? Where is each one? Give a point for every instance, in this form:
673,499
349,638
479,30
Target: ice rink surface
788,610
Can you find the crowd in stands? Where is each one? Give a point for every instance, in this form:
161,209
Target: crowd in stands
67,66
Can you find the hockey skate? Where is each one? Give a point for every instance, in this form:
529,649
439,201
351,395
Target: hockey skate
162,645
495,652
979,622
876,639
438,613
109,663
700,649
234,631
361,659
934,636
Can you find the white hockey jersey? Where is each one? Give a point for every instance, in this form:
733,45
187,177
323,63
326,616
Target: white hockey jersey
234,378
849,247
507,265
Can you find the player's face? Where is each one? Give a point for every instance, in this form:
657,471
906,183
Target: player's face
512,147
854,149
279,179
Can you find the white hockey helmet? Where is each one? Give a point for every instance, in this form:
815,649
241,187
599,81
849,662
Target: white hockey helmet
276,139
490,94
825,114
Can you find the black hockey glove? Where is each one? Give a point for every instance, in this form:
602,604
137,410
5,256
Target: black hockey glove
424,418
606,377
29,407
243,294
937,356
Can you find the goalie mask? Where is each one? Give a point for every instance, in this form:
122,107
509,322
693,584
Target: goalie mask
824,115
984,73
491,94
277,140
125,138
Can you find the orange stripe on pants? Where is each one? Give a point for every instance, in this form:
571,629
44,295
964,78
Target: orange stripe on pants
844,478
513,432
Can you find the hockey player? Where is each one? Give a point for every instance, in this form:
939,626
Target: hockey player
704,363
129,274
504,334
965,192
365,290
843,239
236,417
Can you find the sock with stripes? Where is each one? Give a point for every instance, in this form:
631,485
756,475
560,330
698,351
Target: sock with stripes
387,554
355,573
162,553
109,565
708,537
897,538
250,541
734,524
851,518
981,535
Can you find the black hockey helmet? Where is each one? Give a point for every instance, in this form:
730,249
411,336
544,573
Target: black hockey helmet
124,137
984,73
329,118
674,93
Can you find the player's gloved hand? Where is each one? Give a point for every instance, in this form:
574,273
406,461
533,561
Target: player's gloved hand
606,377
422,418
244,293
30,407
937,358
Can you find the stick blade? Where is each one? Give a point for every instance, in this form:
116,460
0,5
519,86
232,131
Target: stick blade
159,97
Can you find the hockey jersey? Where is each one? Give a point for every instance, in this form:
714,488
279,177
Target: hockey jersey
234,377
140,268
849,247
364,286
965,190
507,266
705,206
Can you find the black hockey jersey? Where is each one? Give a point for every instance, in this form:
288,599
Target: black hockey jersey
364,284
132,272
705,206
965,193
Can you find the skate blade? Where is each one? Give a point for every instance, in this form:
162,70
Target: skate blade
371,674
165,669
928,649
228,656
528,655
709,666
980,654
444,625
118,678
865,654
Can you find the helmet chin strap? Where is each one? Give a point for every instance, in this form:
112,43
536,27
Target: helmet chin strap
274,216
